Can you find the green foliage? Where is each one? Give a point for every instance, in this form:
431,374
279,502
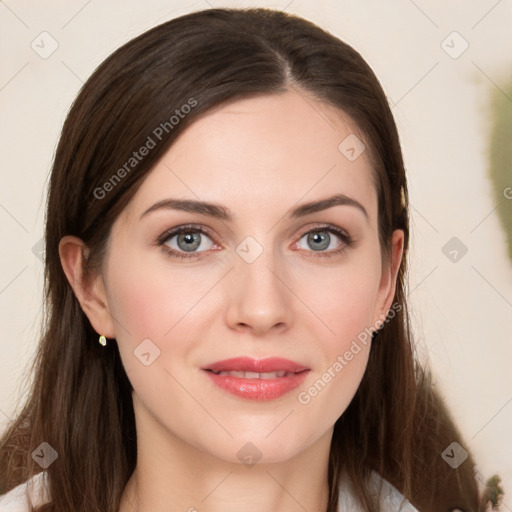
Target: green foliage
500,157
493,492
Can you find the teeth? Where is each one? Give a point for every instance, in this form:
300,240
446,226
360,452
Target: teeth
255,375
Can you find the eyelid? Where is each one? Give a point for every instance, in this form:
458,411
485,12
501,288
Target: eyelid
322,226
169,233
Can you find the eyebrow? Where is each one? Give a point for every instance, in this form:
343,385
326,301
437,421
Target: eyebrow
221,212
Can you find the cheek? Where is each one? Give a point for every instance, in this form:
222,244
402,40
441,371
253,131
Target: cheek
148,299
347,307
343,297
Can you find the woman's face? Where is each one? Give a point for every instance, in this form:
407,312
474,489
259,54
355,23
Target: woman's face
258,284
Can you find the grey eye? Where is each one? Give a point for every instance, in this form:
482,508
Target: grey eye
189,241
318,240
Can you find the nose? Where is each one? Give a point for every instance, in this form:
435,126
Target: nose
258,295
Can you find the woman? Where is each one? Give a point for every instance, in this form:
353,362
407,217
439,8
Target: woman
228,217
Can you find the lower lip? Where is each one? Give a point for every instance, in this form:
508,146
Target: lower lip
258,389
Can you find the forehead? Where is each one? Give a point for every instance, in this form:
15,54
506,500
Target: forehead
267,152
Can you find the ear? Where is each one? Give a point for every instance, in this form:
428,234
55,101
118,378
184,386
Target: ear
387,284
90,292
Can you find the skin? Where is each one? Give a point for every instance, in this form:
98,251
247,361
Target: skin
259,157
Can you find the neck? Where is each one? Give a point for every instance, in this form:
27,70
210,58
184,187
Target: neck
179,477
270,491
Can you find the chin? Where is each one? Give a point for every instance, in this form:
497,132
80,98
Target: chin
250,450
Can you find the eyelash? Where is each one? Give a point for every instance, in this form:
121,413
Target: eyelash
162,239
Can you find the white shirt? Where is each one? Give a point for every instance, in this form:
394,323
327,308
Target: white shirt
16,500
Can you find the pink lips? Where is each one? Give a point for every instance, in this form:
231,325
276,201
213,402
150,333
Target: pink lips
251,386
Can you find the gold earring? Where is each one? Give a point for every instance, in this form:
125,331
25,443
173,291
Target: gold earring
103,340
402,196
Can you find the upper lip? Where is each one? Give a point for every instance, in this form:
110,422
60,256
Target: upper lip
248,364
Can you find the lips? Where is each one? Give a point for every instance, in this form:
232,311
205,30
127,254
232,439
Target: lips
263,379
255,375
247,364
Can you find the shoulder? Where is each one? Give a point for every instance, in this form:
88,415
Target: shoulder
32,492
390,499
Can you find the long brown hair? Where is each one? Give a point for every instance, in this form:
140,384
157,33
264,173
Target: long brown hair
80,400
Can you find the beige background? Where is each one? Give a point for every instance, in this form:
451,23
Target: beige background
461,311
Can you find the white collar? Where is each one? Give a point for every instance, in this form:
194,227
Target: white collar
390,499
